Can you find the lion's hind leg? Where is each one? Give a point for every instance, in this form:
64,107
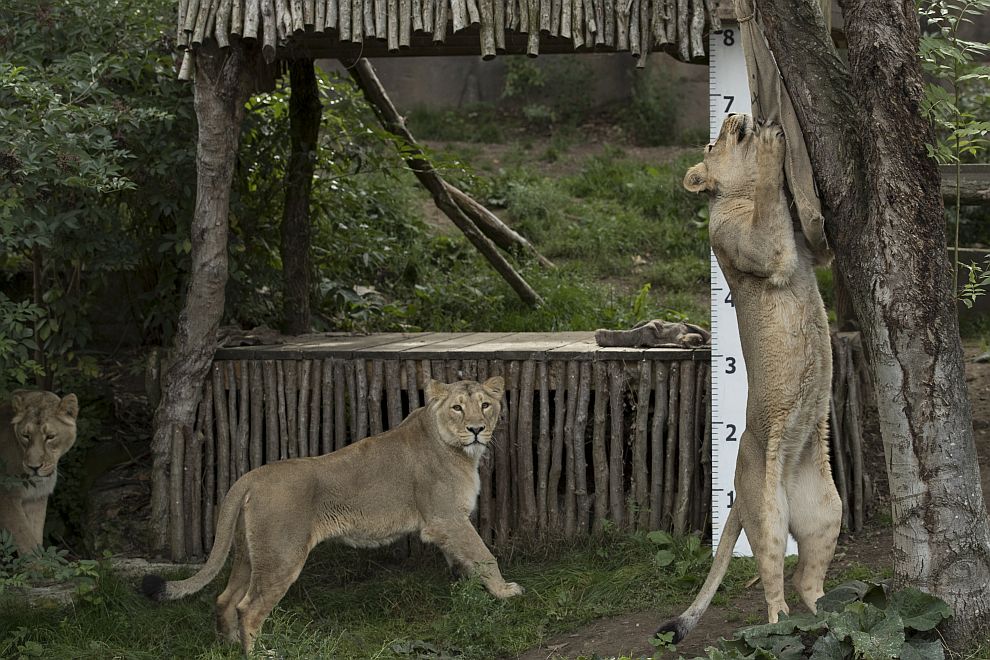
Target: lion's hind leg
237,586
764,507
815,519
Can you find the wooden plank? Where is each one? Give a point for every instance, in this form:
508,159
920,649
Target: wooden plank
473,345
465,346
310,347
411,344
526,345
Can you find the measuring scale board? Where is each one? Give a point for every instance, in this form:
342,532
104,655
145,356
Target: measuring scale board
728,93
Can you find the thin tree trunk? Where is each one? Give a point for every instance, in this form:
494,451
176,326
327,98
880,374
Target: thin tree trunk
42,380
884,217
305,111
223,82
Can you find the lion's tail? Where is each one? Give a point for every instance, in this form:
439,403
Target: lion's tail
686,622
157,588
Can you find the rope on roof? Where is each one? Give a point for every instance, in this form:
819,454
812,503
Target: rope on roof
637,26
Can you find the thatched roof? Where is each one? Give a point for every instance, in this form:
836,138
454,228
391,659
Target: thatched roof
374,28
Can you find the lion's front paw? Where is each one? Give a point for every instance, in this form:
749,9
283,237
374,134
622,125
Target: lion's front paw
508,590
771,141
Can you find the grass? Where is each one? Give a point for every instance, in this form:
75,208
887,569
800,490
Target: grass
351,604
630,245
613,225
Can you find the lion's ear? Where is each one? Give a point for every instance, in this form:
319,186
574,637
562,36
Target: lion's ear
435,389
696,179
495,386
69,406
18,401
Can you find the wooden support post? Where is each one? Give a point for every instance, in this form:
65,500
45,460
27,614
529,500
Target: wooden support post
209,467
687,458
524,448
305,113
578,446
271,411
657,443
617,444
670,457
599,454
640,495
555,517
570,481
543,445
255,377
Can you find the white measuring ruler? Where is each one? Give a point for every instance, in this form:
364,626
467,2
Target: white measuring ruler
728,92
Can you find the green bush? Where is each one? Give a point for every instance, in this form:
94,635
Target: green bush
651,118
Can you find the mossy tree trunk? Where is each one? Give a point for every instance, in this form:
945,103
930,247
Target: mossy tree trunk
866,136
223,83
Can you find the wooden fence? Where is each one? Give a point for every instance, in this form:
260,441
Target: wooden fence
587,434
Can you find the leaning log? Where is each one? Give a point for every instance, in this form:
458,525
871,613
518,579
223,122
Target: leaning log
364,75
491,226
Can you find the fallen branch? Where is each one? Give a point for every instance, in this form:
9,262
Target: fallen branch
364,75
492,226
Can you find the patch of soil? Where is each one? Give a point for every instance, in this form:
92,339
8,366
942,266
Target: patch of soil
629,634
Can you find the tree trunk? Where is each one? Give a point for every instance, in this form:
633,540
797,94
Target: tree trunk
223,83
884,218
305,112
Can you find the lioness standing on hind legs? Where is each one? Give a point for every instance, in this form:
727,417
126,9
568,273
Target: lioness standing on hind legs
421,476
783,479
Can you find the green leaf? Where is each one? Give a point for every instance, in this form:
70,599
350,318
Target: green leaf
874,633
829,647
837,599
917,649
920,611
660,538
664,558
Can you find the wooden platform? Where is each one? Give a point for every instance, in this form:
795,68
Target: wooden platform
588,435
462,346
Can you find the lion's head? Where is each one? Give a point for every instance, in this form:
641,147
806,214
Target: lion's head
44,428
466,412
730,161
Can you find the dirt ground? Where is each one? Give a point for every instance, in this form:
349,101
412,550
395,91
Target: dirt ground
629,634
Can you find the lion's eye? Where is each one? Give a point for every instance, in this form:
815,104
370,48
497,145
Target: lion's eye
50,438
458,408
485,405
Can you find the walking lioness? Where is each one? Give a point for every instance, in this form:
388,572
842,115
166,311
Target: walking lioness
421,476
783,480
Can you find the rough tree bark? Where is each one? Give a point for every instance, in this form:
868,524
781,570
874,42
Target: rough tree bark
223,82
305,112
884,218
